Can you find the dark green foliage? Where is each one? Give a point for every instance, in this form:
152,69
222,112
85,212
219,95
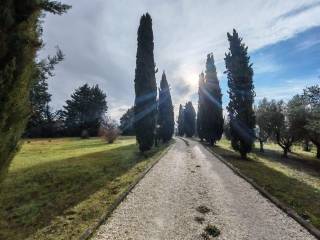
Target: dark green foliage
145,86
200,113
212,126
20,38
85,111
42,121
127,123
212,230
165,111
189,121
181,121
311,97
241,93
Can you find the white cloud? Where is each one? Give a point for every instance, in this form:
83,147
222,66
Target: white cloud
286,90
99,40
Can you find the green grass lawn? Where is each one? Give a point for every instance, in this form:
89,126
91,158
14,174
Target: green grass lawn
57,188
294,181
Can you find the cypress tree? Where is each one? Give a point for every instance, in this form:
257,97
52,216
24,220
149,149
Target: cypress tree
241,93
212,117
20,39
165,110
200,112
181,121
189,122
145,86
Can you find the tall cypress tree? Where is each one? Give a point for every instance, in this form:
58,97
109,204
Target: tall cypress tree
189,122
181,121
212,117
145,86
20,39
165,110
200,113
241,94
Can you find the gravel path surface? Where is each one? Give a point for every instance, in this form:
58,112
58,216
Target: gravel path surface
164,204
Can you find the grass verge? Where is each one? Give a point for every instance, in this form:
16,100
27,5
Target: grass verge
294,181
56,189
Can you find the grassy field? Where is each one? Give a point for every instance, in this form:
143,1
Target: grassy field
57,188
295,181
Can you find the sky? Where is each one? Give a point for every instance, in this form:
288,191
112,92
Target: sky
99,40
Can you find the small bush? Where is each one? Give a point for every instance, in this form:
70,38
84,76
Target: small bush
212,230
85,134
109,131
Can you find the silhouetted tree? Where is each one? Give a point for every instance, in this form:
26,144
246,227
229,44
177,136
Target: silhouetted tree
241,93
181,121
20,39
85,111
201,106
189,122
165,111
41,122
127,123
145,86
212,116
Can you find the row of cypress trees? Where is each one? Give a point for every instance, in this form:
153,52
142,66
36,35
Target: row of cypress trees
241,118
152,118
187,120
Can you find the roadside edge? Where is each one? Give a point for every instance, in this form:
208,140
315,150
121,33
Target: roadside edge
90,231
289,211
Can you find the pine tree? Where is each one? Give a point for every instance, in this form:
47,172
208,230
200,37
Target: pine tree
212,117
200,113
165,110
241,93
20,39
189,122
145,86
85,111
181,121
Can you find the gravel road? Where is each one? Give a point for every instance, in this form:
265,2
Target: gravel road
164,205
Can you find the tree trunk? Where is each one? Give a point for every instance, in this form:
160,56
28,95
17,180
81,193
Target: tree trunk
261,146
243,155
285,153
306,146
318,151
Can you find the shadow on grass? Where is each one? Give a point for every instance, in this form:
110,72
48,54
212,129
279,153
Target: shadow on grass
31,198
295,161
296,194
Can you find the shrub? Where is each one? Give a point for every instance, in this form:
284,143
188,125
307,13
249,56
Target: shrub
109,131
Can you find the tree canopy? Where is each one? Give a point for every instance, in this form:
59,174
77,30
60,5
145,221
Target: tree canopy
85,110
